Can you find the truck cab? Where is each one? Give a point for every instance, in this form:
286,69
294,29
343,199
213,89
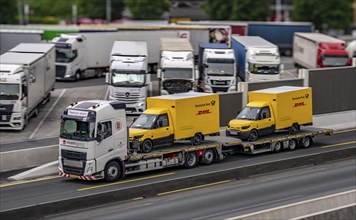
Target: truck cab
332,54
93,140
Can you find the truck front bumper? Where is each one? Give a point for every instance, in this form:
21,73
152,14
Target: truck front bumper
12,122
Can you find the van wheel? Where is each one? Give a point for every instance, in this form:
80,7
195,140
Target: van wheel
208,157
197,139
191,160
306,142
112,171
253,135
147,146
277,147
292,144
294,129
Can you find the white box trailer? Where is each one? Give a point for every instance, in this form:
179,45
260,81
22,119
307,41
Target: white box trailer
27,80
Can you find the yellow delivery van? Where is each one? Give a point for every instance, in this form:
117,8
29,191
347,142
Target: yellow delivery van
268,110
174,117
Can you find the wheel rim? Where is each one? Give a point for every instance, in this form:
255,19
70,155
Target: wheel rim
147,146
294,129
292,144
306,142
191,159
197,139
277,146
209,156
253,135
112,172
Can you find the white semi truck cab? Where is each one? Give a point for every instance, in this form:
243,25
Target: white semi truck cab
93,140
128,78
176,70
219,70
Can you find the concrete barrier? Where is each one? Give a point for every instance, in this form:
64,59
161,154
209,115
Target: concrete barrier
304,209
20,159
153,188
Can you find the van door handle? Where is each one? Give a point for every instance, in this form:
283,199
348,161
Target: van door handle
110,150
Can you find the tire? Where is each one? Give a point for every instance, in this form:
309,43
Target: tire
78,75
99,73
294,129
306,142
112,171
277,147
197,139
208,157
191,160
292,144
35,112
253,135
146,146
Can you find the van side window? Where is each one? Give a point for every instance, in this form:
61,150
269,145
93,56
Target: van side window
265,113
108,128
162,121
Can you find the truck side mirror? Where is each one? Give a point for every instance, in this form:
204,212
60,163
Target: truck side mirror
206,65
159,73
148,79
108,78
196,76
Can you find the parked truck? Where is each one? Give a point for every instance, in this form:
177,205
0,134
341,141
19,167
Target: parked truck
168,118
27,78
176,71
94,145
268,110
257,58
316,50
217,68
279,33
128,78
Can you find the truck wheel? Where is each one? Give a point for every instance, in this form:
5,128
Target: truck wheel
78,75
292,144
146,146
112,171
294,129
197,139
191,160
99,73
306,142
208,157
253,135
277,147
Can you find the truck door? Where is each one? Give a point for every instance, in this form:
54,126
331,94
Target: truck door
266,123
163,133
105,140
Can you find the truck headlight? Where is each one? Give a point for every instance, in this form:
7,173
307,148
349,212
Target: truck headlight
90,169
245,127
17,118
140,104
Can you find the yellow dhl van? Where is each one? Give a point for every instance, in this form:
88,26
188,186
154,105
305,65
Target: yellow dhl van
174,117
268,110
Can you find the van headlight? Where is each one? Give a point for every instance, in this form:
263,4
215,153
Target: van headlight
138,136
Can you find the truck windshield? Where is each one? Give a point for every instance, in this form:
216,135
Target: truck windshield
264,69
9,91
249,113
64,55
145,121
220,69
77,130
128,79
335,60
178,73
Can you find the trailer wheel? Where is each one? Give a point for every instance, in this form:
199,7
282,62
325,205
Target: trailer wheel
208,157
292,144
197,139
253,135
146,146
277,147
306,142
112,171
294,129
191,160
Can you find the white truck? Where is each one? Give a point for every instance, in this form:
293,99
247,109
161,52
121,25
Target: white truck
176,71
257,58
94,144
128,78
217,68
27,78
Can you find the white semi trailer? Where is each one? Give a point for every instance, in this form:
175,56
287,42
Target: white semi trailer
128,78
27,78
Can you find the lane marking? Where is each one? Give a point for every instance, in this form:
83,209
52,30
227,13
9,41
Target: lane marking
139,198
194,187
44,118
27,149
335,145
29,181
127,181
344,131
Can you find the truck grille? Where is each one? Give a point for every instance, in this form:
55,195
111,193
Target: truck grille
72,170
127,97
220,82
177,86
60,71
73,155
220,89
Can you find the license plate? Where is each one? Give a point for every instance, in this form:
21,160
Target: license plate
73,176
3,117
72,163
233,132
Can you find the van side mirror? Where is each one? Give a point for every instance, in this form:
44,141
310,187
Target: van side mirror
108,78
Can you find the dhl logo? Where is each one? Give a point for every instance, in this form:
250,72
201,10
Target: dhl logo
203,112
299,104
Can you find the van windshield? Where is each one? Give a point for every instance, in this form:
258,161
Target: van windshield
77,130
145,121
249,113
